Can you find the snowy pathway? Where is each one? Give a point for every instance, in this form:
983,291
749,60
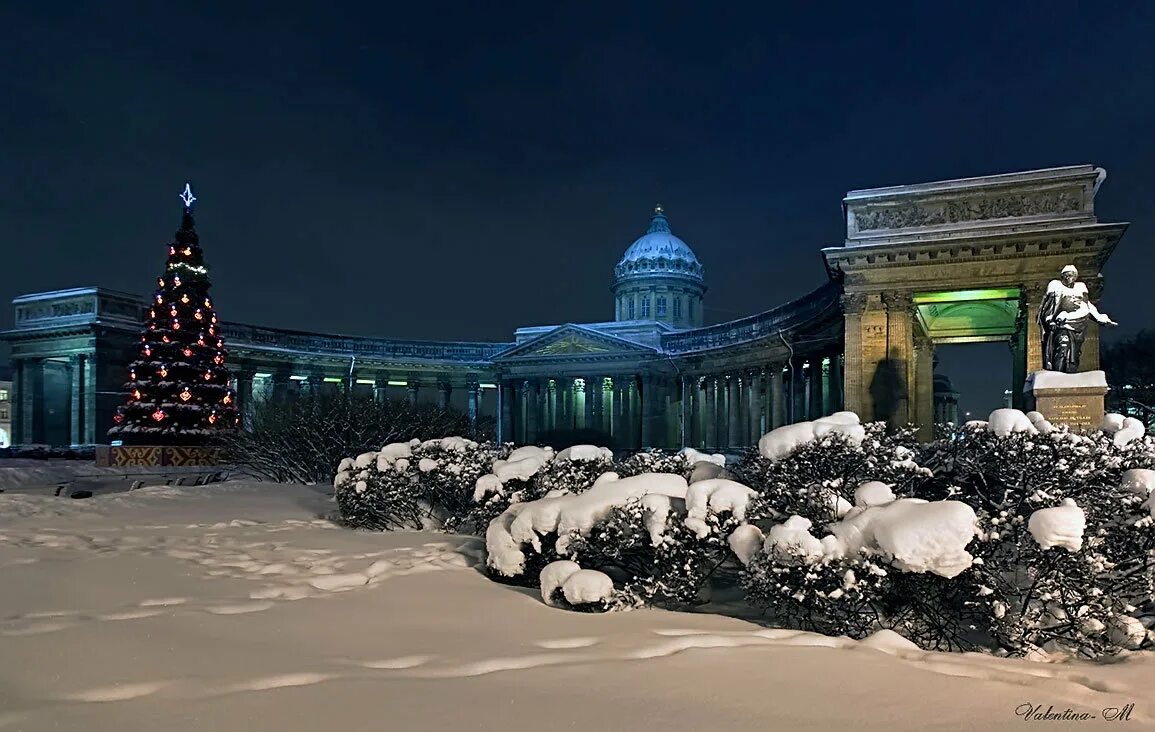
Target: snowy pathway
237,606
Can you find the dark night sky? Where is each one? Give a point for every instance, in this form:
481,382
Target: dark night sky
457,170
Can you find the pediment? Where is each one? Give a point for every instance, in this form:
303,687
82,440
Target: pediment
574,341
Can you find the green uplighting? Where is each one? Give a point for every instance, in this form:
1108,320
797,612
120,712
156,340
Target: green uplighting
1004,293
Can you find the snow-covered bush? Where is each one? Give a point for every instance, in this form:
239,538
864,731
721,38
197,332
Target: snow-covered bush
875,568
1065,544
653,461
817,478
656,557
656,536
414,485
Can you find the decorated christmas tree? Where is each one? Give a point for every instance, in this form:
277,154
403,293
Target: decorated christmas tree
178,386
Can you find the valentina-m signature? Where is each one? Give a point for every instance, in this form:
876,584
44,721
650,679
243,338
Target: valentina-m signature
1030,712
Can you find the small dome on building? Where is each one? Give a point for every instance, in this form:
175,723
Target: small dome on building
659,250
659,278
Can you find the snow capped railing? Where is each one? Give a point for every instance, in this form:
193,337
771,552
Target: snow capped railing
769,323
249,336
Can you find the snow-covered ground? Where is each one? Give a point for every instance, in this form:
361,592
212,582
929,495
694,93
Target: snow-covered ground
239,606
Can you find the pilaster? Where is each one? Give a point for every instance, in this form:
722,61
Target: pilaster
899,369
76,407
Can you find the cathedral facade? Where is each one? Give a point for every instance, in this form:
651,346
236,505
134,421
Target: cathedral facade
946,262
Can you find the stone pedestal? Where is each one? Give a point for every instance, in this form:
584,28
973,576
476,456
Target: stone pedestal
1075,400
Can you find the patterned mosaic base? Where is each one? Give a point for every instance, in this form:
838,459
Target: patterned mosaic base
154,457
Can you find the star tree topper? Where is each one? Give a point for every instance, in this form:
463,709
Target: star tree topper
187,196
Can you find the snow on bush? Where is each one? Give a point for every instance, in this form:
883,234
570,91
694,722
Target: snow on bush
553,576
818,479
1061,526
414,484
654,461
588,587
1123,430
784,440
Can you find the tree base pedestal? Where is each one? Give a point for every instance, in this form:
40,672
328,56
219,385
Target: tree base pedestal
1075,400
155,456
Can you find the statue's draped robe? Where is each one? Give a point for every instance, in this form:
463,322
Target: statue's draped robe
1063,339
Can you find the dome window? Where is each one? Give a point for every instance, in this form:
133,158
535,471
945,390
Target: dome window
661,306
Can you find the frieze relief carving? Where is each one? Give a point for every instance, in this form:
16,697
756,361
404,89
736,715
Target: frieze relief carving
66,309
967,209
853,303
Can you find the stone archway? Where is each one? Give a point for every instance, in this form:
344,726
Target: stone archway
958,261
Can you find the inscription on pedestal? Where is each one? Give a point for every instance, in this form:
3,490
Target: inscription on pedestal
1079,406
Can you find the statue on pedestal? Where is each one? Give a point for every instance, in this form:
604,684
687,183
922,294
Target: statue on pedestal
1064,316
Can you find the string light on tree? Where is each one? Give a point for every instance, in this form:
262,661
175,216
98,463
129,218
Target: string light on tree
178,389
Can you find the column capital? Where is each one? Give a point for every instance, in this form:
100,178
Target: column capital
853,303
1033,292
898,300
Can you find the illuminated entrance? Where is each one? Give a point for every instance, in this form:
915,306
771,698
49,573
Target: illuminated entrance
960,261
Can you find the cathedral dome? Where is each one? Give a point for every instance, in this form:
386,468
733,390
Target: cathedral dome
659,278
659,251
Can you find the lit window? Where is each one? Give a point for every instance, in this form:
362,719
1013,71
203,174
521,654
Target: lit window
677,307
3,395
661,306
645,308
631,309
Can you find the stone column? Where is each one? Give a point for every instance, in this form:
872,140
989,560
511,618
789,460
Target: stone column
711,413
245,396
924,386
733,400
646,399
599,413
827,402
472,389
412,386
777,397
444,389
1089,358
588,389
32,401
899,357
76,407
533,411
755,408
90,399
380,387
505,420
864,334
1032,298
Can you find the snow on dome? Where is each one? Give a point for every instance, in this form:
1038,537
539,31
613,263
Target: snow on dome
587,585
658,248
554,575
1004,422
1059,526
779,443
585,453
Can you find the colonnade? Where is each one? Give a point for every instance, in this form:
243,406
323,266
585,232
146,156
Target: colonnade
717,411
